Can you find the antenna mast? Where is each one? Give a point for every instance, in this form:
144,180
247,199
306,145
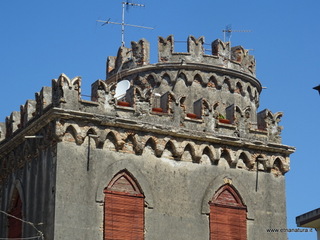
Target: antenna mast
123,24
228,31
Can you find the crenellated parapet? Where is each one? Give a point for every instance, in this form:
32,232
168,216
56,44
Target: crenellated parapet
270,122
12,123
222,55
26,112
43,100
206,98
136,56
169,108
66,91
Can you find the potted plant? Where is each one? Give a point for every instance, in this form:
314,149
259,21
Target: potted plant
222,119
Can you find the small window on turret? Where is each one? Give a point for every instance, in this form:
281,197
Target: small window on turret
161,103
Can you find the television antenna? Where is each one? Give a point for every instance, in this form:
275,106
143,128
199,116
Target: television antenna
227,32
126,4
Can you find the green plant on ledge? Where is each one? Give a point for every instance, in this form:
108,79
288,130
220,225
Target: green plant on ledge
220,116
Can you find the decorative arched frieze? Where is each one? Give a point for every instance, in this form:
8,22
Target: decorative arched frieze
207,156
72,133
226,85
93,133
198,78
153,79
138,145
220,80
256,97
188,154
150,147
213,82
225,159
239,88
261,161
183,76
277,167
111,142
151,82
250,94
244,160
140,82
166,79
132,144
170,150
286,164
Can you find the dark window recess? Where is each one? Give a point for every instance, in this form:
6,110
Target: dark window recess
15,225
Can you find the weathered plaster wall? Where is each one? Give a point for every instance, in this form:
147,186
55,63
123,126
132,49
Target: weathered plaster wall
176,193
35,182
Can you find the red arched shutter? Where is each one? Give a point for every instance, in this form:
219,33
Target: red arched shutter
15,225
228,215
123,209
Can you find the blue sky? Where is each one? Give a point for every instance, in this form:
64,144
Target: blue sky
42,39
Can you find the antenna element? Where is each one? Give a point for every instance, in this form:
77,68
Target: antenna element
228,31
123,24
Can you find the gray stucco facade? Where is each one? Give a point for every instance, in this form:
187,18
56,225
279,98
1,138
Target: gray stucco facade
170,137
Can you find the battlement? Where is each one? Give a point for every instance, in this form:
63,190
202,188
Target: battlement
170,109
222,55
184,96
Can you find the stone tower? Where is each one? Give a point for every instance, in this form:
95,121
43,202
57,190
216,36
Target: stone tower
183,154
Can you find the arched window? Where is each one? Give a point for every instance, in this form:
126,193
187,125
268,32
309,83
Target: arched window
123,209
15,209
228,215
